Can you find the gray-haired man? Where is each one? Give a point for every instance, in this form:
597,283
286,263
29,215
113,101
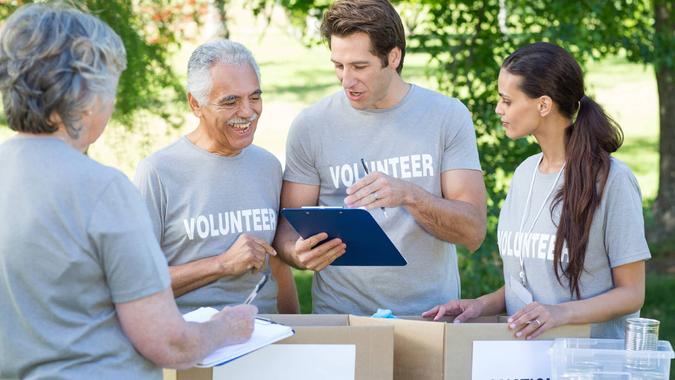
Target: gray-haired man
213,196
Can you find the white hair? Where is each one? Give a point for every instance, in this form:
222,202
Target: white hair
207,55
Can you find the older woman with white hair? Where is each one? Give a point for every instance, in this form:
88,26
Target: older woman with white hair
84,287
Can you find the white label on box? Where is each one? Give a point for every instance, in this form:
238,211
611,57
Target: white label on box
511,359
293,362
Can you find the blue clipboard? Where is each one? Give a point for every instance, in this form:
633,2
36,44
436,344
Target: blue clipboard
367,244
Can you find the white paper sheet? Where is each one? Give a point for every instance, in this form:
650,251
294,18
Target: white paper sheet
293,362
265,333
511,359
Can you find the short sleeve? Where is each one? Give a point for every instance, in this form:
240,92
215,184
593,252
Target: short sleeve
149,184
624,223
278,177
129,254
300,160
460,149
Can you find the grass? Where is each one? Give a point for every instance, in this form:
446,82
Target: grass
303,282
659,305
641,154
620,87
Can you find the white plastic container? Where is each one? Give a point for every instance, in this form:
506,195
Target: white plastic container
605,359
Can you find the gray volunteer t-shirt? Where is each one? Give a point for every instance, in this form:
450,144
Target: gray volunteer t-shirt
75,239
616,238
200,203
423,136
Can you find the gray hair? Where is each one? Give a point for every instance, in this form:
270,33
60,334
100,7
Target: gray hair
209,54
54,58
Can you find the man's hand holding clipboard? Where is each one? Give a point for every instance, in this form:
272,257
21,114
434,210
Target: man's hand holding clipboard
315,253
354,230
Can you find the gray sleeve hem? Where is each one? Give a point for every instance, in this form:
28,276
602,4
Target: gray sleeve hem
645,255
460,167
138,294
300,180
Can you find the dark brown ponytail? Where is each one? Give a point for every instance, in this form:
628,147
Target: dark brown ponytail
548,69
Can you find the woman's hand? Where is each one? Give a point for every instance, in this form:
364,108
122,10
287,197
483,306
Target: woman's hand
463,309
535,318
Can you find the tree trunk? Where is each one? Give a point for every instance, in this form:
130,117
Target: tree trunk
663,231
221,6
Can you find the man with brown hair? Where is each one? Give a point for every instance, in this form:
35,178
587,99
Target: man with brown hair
420,149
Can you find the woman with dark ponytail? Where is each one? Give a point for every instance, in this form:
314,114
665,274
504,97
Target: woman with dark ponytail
571,231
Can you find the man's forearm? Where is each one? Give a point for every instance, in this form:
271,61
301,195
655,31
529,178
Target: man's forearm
195,274
450,220
284,243
287,295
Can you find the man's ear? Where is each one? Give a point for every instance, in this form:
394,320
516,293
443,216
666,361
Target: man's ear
545,105
394,57
194,105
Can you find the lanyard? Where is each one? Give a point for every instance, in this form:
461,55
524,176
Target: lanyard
523,277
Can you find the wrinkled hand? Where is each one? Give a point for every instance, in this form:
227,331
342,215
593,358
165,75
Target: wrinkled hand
463,310
309,254
535,318
247,253
378,190
238,321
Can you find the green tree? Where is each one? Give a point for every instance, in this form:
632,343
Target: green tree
663,230
467,40
152,31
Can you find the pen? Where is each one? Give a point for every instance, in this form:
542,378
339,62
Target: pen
257,288
365,168
266,320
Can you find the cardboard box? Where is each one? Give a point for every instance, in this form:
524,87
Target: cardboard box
420,349
374,344
427,350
